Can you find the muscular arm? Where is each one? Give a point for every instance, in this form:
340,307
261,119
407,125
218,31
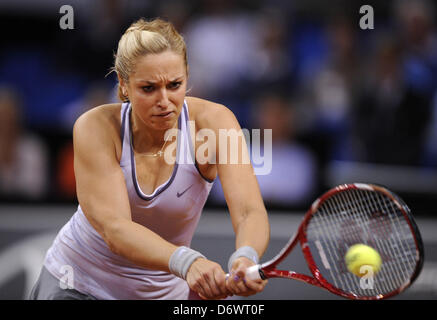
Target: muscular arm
243,197
241,191
240,186
102,194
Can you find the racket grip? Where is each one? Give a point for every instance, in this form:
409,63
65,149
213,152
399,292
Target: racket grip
252,273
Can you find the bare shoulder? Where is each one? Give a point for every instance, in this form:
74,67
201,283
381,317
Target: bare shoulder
208,114
101,116
101,125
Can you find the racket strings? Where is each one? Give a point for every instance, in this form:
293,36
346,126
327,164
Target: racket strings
369,217
358,211
388,280
401,253
391,276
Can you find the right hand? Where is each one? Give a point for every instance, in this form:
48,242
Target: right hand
239,284
208,279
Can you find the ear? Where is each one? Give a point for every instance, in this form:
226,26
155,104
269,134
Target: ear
123,85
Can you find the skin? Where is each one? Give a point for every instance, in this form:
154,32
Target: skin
157,90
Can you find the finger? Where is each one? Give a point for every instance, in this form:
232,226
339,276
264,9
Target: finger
214,284
202,296
220,280
236,284
201,286
197,287
243,286
208,287
255,286
230,283
219,284
247,291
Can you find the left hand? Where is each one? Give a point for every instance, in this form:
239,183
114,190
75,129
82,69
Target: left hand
238,284
207,278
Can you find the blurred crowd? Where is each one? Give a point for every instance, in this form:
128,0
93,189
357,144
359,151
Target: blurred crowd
328,89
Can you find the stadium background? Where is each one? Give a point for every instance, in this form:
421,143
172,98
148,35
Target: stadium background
345,105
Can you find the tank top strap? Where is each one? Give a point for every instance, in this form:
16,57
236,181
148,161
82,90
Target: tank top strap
189,133
124,133
186,155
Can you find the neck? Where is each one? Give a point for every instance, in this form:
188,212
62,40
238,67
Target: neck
147,139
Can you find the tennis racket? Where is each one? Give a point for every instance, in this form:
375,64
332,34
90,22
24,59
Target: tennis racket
346,215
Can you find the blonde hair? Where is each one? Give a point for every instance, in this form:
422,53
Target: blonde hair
146,37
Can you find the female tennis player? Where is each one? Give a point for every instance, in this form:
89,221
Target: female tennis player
130,237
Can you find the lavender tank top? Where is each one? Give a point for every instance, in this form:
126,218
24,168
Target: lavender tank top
172,211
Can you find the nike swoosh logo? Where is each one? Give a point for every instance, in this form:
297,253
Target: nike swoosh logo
182,193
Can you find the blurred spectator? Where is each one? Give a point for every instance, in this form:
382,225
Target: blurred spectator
328,95
23,157
416,24
382,92
97,94
394,108
65,179
273,68
98,26
292,181
178,12
430,154
416,21
221,46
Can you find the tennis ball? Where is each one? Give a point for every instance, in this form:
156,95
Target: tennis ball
360,255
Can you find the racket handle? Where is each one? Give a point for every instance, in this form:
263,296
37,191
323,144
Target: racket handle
252,273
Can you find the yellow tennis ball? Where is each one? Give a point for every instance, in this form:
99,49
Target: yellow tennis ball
360,255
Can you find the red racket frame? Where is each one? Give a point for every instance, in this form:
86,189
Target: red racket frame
268,269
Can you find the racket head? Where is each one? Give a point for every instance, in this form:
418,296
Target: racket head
361,213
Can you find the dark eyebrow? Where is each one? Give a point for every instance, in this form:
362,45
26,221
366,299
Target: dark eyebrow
147,81
155,82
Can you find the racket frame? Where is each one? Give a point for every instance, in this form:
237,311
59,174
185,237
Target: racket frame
268,269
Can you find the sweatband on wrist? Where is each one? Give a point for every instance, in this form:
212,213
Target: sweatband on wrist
245,251
181,260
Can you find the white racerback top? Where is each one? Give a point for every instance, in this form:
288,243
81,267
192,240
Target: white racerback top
172,211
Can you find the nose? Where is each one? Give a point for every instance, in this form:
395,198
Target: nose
163,101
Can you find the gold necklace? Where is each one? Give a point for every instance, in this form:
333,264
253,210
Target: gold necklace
156,154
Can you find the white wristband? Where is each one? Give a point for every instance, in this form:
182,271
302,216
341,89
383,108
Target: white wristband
181,260
245,251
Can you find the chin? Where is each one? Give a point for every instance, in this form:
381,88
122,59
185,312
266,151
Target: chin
164,125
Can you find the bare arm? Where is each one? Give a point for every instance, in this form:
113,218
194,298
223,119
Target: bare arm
102,194
242,194
240,186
